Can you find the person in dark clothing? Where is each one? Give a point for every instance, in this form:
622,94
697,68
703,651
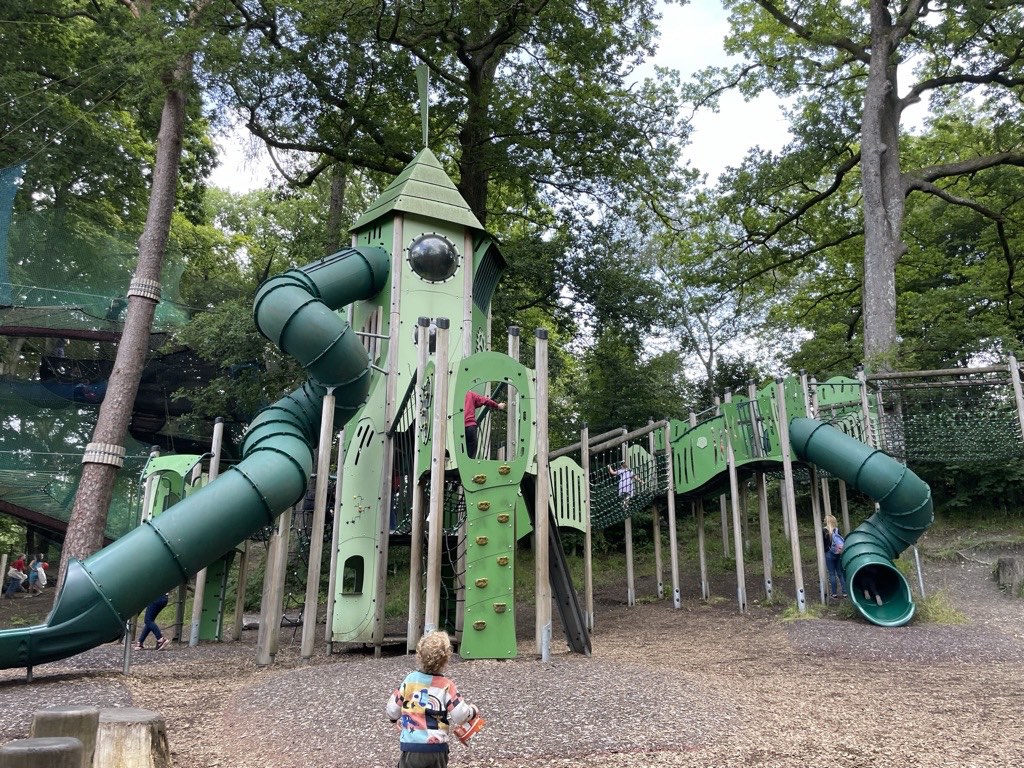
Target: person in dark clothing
151,627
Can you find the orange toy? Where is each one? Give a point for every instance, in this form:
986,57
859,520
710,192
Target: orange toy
472,726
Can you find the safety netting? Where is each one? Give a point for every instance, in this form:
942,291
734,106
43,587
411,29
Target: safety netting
622,487
63,286
65,274
966,420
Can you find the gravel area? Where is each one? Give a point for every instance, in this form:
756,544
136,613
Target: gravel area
702,686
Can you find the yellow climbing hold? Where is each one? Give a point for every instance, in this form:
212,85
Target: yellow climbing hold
500,607
481,583
503,560
503,517
504,469
478,625
482,540
479,479
483,506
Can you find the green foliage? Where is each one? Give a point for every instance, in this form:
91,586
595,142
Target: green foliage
812,610
794,228
936,608
12,536
621,388
256,372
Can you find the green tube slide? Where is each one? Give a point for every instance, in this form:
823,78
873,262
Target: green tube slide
295,310
876,587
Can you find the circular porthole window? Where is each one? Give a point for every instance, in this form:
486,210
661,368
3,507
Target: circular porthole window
433,257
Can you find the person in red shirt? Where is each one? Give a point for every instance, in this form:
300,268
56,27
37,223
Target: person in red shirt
16,577
474,401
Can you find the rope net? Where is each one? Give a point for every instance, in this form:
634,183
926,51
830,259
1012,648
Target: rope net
954,422
622,488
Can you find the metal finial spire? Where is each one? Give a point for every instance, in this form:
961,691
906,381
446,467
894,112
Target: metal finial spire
422,81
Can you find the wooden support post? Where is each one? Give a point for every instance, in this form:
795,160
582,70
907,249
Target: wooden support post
737,528
390,406
76,721
673,541
243,577
723,504
790,511
766,534
785,514
414,625
698,512
273,591
705,585
588,538
1018,392
149,489
844,506
819,545
628,526
325,448
439,440
659,568
745,515
826,497
723,513
199,595
543,518
811,408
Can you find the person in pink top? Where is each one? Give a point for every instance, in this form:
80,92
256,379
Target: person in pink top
474,401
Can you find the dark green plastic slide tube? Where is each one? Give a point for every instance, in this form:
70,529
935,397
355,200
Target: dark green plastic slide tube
904,512
295,310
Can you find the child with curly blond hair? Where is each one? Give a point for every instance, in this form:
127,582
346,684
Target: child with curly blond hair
426,704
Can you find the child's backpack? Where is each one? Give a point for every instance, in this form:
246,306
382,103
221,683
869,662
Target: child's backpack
838,542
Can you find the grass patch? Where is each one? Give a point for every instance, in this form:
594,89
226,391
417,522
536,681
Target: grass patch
811,611
938,609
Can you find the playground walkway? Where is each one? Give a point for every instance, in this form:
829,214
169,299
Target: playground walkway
699,687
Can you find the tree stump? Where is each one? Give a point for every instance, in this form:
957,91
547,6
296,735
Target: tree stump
1010,575
48,752
131,738
79,722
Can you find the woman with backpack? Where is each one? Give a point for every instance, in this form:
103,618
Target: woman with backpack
834,544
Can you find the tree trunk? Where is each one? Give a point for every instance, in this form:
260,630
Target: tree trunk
88,517
883,194
474,140
336,207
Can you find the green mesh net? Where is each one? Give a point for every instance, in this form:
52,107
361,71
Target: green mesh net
68,275
62,307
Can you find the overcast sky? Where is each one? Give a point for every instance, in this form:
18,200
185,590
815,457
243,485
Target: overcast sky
691,38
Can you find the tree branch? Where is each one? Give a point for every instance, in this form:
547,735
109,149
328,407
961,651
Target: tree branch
916,179
841,43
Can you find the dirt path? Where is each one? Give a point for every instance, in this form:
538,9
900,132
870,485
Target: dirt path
703,686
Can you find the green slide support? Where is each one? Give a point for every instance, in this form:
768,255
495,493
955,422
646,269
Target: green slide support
295,310
904,512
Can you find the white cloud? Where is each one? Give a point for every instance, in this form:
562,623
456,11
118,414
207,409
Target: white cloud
243,163
691,39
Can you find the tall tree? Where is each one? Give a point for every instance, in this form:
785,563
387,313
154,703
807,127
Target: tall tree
85,528
533,110
840,66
